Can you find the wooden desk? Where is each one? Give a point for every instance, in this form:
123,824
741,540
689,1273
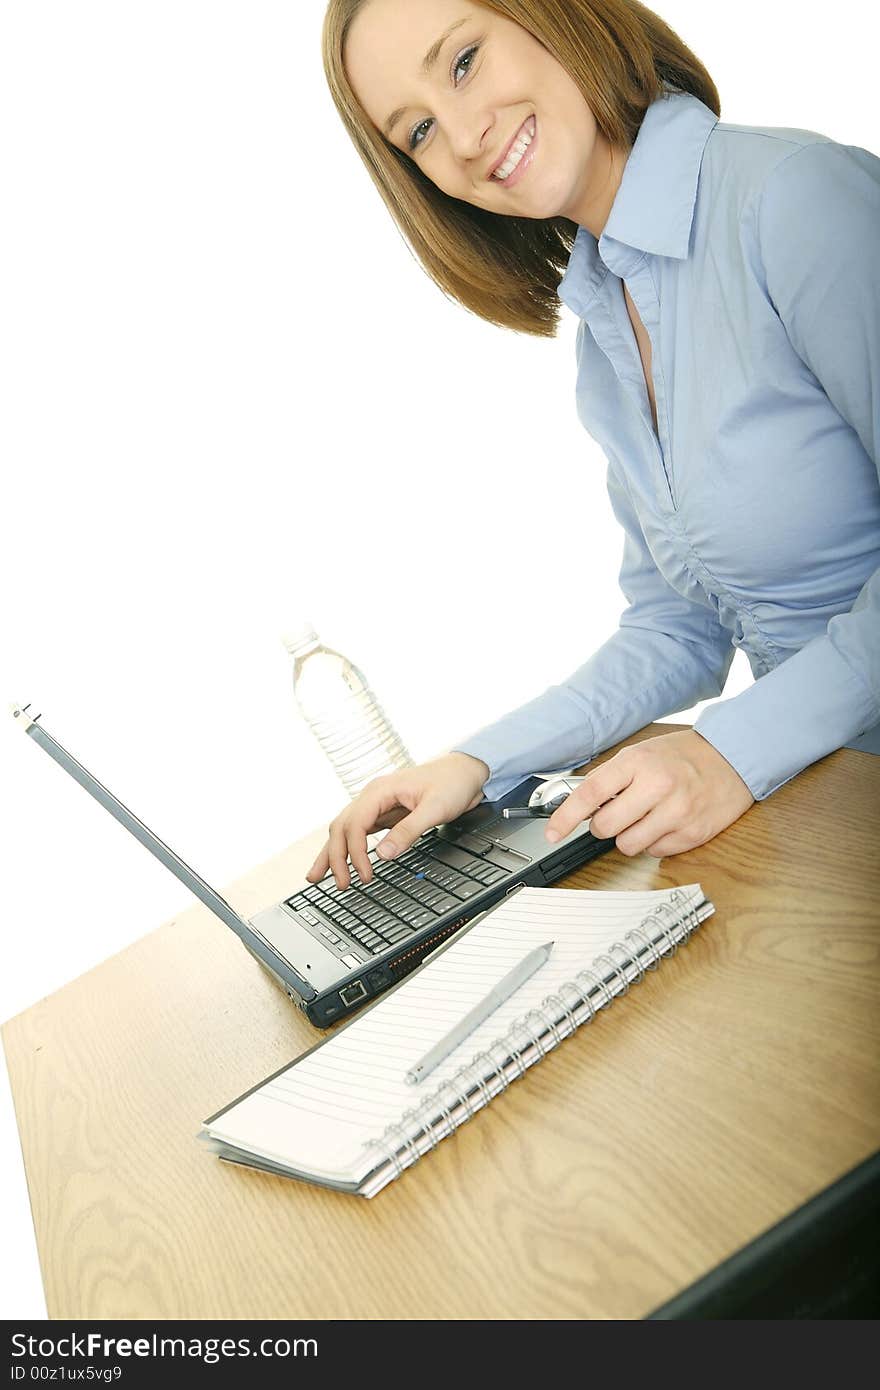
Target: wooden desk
730,1086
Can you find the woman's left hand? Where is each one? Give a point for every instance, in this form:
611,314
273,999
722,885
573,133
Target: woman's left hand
670,794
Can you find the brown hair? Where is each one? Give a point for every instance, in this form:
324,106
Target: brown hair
507,269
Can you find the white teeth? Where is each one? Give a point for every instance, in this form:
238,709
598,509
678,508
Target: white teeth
515,154
510,162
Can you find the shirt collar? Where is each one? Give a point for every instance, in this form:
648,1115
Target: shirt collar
653,209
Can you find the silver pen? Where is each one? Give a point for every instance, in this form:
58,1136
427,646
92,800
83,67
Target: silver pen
480,1012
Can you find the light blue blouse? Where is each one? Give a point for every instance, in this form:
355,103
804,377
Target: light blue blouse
752,519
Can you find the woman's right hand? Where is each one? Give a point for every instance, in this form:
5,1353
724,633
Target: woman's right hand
411,800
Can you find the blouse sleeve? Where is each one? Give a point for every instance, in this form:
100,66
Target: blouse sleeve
819,243
667,654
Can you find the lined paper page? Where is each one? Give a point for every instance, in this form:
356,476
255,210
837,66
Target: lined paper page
317,1115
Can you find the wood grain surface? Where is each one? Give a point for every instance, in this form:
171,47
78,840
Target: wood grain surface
729,1087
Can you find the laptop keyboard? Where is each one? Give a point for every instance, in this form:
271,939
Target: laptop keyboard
406,894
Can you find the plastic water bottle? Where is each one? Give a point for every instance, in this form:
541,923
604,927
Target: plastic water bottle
336,702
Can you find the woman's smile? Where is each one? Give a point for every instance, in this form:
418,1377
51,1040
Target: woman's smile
518,156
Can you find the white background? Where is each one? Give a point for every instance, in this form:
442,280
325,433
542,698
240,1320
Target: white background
231,398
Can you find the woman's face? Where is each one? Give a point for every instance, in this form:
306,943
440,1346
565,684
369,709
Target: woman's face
479,105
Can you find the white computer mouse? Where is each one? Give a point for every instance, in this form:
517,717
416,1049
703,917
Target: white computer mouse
554,791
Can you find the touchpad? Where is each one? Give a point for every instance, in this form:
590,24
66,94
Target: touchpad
492,828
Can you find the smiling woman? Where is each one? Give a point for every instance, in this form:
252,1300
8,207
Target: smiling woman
578,75
545,152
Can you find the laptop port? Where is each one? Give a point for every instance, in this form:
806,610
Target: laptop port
352,994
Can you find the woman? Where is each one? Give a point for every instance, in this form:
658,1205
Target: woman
727,283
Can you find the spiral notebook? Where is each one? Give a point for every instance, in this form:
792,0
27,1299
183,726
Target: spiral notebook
343,1115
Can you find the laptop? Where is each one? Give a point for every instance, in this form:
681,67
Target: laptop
333,950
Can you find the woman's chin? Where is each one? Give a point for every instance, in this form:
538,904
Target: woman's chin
537,205
546,201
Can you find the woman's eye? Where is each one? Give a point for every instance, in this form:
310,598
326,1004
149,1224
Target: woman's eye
418,135
460,69
464,63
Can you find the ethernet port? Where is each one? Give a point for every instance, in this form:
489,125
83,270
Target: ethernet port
353,994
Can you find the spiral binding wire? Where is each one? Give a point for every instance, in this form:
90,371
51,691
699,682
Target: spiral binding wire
531,1037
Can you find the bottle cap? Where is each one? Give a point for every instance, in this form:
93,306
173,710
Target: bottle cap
299,636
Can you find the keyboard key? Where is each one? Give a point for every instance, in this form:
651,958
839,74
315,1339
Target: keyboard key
329,904
414,859
467,889
444,877
412,882
483,872
421,919
442,901
429,895
340,915
394,931
360,908
404,880
398,902
383,892
399,905
398,934
397,868
376,913
366,928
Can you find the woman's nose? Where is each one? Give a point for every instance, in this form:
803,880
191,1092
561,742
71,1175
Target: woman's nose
470,135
